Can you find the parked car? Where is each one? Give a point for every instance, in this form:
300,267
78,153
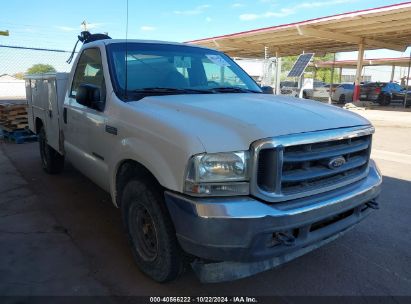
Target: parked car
393,92
289,88
384,93
320,91
371,91
206,169
288,84
343,93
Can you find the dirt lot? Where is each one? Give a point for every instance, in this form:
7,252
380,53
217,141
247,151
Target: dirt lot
60,235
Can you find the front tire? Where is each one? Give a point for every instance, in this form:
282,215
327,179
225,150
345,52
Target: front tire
52,162
151,232
341,99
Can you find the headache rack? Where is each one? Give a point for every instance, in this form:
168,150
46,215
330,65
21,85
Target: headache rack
298,165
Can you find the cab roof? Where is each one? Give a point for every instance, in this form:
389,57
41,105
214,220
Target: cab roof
113,41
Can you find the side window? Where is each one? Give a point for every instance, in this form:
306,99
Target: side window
89,71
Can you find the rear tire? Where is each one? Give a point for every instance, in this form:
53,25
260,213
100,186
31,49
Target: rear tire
51,161
151,232
384,100
341,99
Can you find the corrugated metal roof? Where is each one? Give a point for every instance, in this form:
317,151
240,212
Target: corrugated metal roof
383,27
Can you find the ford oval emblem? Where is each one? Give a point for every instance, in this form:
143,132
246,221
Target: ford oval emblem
336,162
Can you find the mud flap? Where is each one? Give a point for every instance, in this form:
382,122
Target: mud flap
229,271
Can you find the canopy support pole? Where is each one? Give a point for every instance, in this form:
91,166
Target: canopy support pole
406,83
331,82
392,73
277,74
356,94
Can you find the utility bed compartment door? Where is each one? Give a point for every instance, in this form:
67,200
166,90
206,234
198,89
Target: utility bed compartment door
36,101
30,116
52,115
45,96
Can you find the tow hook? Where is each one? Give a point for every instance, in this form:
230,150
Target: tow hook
283,238
373,204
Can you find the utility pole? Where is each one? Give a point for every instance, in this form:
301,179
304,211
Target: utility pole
4,33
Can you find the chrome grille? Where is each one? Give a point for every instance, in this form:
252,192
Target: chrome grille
299,165
306,166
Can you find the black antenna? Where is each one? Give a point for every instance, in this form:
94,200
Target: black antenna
125,59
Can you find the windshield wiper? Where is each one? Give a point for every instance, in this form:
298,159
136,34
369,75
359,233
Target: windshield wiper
233,90
155,90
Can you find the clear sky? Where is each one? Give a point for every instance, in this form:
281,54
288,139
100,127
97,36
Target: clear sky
55,24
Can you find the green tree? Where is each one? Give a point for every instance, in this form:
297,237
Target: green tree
287,63
41,68
19,75
324,74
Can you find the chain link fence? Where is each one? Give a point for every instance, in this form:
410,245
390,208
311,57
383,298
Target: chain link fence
16,61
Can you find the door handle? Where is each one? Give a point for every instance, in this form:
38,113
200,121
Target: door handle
65,115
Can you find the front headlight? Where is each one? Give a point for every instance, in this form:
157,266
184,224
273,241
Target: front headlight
218,174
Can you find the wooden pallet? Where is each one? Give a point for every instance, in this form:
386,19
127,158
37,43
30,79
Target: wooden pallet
13,116
19,136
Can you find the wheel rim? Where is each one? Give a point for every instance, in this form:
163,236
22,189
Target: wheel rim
145,236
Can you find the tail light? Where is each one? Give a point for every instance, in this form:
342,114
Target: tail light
378,90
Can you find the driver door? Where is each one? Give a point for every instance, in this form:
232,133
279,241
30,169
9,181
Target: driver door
84,126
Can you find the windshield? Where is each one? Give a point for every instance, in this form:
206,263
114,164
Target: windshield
165,69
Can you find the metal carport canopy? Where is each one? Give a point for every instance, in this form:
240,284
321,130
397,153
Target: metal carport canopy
352,64
387,27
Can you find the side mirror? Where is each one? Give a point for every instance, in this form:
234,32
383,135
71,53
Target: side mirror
267,90
88,95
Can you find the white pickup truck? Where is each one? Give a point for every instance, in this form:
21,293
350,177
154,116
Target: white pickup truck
206,168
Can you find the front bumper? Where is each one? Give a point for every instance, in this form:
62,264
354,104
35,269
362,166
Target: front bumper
244,229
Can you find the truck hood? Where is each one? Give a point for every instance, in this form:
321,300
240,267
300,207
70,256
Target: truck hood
230,122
